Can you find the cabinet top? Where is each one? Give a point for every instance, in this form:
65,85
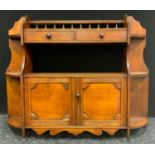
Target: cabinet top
110,30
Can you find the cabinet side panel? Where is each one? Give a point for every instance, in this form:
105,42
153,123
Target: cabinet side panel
14,105
17,58
138,101
137,75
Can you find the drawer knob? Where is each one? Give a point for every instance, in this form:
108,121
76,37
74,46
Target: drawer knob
48,36
101,35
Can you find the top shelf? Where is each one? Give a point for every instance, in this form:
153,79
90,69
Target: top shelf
75,21
77,31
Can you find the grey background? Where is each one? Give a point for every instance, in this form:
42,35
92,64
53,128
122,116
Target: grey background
7,18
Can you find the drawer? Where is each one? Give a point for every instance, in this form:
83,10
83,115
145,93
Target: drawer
103,36
47,37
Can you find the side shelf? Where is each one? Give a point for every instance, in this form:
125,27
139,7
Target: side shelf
138,76
14,102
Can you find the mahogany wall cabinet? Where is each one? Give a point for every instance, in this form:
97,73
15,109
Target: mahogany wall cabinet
77,75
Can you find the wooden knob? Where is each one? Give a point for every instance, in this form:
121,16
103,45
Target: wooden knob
78,95
101,35
48,36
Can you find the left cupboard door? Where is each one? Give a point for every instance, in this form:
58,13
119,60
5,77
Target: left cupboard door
47,101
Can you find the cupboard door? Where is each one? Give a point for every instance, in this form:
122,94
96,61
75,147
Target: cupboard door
47,101
103,101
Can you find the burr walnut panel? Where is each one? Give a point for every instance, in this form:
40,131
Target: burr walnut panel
101,101
47,100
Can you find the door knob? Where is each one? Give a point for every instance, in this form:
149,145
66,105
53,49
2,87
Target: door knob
77,94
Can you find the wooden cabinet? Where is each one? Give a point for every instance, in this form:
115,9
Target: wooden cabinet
89,90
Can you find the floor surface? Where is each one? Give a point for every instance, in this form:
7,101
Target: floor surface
13,136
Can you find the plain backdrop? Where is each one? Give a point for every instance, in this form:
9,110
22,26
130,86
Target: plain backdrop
7,19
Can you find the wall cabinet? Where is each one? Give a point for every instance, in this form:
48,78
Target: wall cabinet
77,76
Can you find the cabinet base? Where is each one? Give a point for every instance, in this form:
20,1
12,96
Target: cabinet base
17,123
75,131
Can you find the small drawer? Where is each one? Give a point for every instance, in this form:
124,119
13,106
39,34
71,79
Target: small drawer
47,37
103,36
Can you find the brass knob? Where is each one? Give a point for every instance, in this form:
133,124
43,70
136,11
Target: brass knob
48,36
101,35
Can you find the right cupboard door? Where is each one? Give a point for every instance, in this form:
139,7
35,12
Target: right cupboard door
103,101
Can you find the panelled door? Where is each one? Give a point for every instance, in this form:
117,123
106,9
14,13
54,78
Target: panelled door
103,101
47,101
86,101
